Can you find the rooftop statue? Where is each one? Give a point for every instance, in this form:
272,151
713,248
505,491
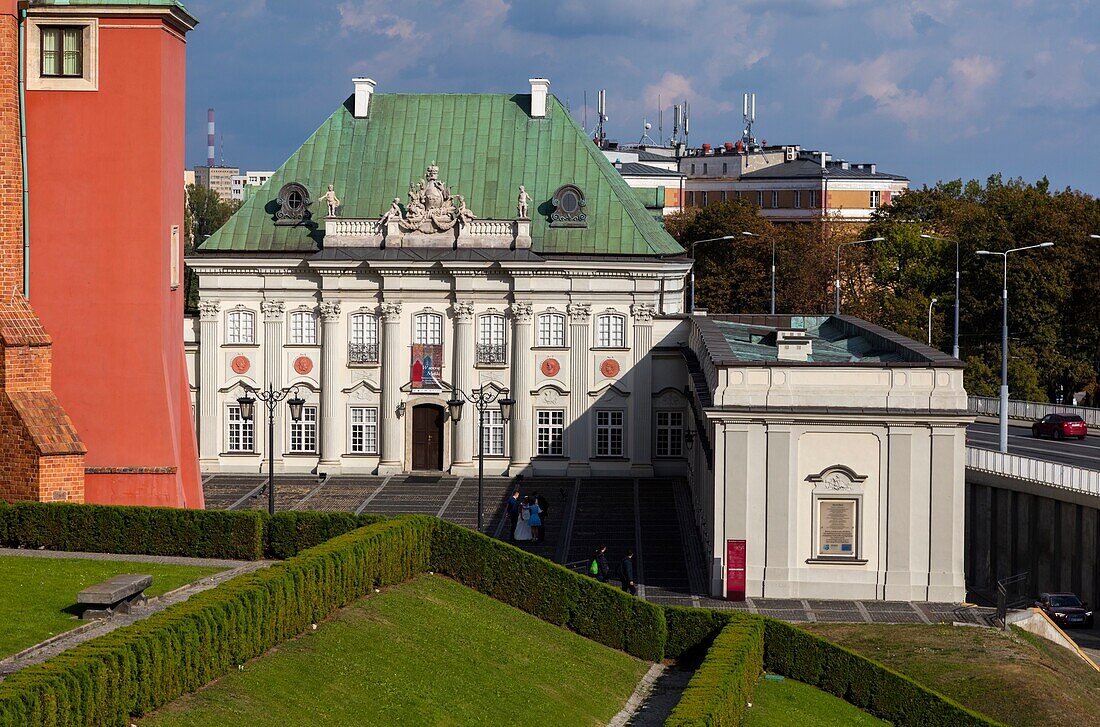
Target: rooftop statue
431,206
332,200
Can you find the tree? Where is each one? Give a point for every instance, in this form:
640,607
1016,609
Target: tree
204,213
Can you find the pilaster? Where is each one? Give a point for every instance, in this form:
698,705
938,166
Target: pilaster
209,416
463,374
580,331
392,433
332,420
523,340
642,380
273,311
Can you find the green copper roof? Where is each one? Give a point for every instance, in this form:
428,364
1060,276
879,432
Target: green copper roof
485,146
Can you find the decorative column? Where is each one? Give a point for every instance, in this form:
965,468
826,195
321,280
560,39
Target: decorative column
331,416
273,365
642,376
463,377
393,440
579,416
523,340
208,382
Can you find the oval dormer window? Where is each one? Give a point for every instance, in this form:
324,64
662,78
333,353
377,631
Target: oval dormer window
293,204
569,206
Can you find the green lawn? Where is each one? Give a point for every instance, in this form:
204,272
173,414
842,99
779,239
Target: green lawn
787,702
37,595
427,652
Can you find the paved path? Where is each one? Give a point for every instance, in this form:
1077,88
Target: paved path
1088,640
90,630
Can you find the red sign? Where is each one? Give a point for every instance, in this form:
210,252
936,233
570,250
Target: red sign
735,570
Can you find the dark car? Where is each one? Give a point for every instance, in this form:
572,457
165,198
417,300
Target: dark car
1065,609
1060,426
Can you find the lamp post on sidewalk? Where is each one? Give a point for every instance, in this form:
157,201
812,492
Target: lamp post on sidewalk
955,342
930,304
271,397
1003,423
691,275
836,282
481,398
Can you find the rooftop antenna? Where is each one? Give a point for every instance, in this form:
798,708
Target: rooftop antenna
646,126
601,110
748,113
687,123
584,124
660,121
676,115
221,149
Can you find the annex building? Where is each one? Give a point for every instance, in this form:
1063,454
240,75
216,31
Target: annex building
418,244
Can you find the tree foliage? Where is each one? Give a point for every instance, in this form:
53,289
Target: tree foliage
203,214
1054,293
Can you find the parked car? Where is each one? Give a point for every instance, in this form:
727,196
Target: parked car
1060,426
1065,609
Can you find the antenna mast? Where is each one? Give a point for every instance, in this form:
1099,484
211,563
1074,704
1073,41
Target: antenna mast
748,113
601,109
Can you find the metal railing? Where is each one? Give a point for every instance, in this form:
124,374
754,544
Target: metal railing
1051,474
1031,410
362,353
491,353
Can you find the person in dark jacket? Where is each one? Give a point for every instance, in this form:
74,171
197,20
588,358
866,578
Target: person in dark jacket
599,567
544,508
513,514
626,574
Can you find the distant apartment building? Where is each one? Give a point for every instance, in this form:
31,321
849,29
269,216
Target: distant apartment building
653,176
787,183
219,179
245,184
188,177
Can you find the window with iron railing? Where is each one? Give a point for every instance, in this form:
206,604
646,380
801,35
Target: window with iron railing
490,339
363,339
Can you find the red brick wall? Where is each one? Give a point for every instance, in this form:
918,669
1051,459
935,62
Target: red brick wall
11,163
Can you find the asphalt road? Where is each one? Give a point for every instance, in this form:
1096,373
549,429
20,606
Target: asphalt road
1077,452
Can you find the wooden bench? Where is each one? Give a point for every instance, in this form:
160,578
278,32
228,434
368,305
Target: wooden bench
114,595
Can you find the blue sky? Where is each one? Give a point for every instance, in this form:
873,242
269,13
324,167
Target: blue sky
932,89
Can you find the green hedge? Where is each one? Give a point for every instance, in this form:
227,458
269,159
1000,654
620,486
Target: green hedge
289,533
550,592
800,655
691,630
137,669
722,685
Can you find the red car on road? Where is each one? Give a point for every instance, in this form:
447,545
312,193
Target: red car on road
1060,426
1065,609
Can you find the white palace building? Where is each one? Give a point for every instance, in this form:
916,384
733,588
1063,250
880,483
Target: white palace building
421,243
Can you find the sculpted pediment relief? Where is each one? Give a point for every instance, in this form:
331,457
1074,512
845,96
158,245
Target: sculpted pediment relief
837,478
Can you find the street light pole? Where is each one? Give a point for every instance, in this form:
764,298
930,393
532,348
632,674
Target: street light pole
271,398
753,234
1003,414
955,342
836,282
691,274
932,303
480,398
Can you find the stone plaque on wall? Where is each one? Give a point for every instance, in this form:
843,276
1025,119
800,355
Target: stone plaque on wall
836,527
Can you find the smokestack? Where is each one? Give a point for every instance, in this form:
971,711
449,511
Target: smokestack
364,89
540,88
210,137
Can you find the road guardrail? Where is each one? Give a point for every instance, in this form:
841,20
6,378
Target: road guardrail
1053,474
1031,410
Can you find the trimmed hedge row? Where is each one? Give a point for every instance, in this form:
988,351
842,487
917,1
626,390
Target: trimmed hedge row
137,669
691,630
237,535
800,655
722,685
550,592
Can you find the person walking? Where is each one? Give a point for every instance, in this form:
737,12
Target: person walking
513,514
598,568
535,520
544,507
626,574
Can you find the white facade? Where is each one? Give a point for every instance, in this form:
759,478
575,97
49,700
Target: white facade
248,179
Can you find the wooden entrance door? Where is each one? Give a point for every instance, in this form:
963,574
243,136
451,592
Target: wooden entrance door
427,438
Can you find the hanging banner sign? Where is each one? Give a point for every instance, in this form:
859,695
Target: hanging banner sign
735,570
427,366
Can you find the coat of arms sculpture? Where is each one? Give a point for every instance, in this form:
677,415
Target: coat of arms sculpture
432,208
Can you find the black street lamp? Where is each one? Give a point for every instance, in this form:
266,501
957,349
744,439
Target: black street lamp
691,274
480,398
836,282
271,398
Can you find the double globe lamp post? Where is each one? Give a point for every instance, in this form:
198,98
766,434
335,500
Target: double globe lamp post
481,399
271,397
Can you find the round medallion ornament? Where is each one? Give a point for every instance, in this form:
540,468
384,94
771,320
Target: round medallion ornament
610,368
240,364
551,367
303,365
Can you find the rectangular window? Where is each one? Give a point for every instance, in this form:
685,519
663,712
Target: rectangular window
876,199
62,51
303,328
428,329
550,433
552,330
494,433
239,431
814,197
611,331
240,327
363,342
723,195
303,434
693,169
759,199
705,199
691,199
609,434
490,339
704,168
670,434
797,199
174,252
775,200
364,430
724,168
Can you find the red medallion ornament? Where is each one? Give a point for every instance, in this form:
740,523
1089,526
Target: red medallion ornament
240,364
610,368
303,365
551,367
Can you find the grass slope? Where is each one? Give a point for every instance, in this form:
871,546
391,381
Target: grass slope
1016,678
36,594
789,702
427,652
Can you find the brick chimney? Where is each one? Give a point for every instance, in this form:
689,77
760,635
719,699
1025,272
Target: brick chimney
42,455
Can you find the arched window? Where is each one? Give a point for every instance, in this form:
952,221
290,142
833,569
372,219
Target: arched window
303,328
610,331
240,327
552,330
363,339
428,328
490,339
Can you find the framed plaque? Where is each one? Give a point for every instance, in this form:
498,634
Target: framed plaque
837,523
